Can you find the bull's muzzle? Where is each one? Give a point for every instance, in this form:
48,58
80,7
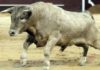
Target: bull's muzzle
12,33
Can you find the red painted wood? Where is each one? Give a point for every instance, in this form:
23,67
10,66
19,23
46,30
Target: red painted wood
72,5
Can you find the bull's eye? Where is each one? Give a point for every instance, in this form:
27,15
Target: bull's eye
22,19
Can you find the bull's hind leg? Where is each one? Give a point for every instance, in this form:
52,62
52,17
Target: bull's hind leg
30,39
85,51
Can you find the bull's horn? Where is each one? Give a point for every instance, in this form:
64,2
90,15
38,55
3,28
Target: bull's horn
9,10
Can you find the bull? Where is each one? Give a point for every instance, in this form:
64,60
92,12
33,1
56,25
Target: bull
49,25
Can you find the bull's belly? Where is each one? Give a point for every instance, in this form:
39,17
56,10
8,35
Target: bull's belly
72,41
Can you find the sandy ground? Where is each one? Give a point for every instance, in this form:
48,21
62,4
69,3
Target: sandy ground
10,49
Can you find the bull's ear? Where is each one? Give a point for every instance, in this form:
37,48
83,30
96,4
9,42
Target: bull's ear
27,14
9,10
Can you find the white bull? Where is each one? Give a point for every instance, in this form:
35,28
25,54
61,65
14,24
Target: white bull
51,25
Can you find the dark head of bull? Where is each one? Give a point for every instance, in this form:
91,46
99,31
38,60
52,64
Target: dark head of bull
19,18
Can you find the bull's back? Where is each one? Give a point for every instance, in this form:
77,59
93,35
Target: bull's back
70,24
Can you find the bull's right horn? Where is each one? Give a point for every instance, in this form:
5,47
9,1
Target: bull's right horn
9,10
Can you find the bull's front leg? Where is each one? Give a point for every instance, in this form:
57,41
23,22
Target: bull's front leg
53,39
27,43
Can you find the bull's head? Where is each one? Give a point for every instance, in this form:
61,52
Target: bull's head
19,17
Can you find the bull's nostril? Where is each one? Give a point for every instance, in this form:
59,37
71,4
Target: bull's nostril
12,33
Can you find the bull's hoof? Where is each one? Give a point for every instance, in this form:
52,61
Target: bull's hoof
18,65
23,63
46,68
82,61
82,64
